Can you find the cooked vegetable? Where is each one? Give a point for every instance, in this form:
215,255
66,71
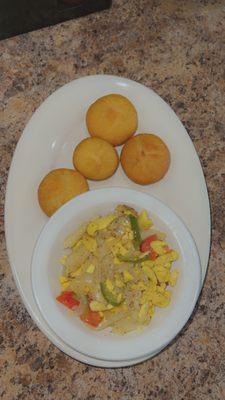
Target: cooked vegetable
146,246
152,254
109,296
136,231
92,318
68,299
132,260
118,278
146,243
143,221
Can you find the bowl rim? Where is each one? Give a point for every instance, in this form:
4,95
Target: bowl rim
129,191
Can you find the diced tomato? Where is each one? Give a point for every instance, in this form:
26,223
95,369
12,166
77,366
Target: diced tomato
67,299
146,244
152,254
92,318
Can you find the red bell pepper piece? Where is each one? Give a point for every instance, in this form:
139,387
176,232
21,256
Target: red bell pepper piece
146,246
152,254
92,318
146,243
67,299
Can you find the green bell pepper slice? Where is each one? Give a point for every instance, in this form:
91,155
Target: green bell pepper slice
110,297
136,232
133,260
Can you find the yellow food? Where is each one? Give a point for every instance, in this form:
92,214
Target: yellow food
58,187
95,158
159,246
144,222
97,306
145,158
110,276
89,243
127,277
64,282
91,268
112,118
99,224
173,277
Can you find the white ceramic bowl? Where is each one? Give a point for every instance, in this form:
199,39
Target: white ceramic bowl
165,324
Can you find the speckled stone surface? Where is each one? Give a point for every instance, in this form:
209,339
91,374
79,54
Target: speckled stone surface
178,49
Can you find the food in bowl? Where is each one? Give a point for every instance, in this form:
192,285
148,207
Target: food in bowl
59,186
95,158
117,270
145,158
113,118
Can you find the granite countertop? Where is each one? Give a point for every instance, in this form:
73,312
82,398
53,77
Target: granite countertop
178,49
